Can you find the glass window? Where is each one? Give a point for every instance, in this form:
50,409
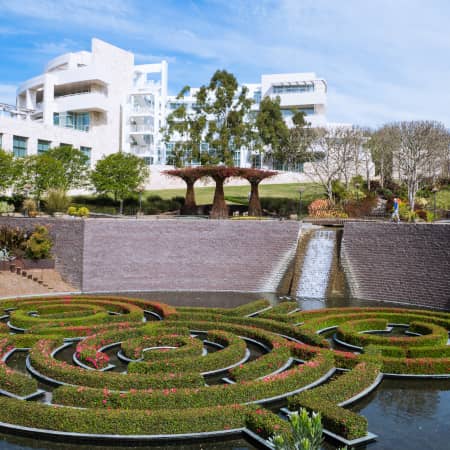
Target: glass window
296,89
42,146
257,96
288,113
20,146
204,147
237,158
56,119
87,151
148,160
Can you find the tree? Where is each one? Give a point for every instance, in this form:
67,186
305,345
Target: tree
272,131
254,177
186,129
119,174
189,175
8,170
296,148
223,107
326,168
219,174
75,166
420,146
39,174
382,143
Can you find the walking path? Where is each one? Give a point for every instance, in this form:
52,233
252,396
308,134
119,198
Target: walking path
12,284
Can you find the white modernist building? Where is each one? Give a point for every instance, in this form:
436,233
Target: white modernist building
101,102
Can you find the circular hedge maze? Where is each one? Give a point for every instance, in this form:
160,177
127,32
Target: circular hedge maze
126,368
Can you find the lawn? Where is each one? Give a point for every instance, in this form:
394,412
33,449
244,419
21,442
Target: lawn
239,194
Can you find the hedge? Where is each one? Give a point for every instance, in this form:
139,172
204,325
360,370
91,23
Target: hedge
16,382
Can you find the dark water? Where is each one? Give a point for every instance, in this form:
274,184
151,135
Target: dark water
405,414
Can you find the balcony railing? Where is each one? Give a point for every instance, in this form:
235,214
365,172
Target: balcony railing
141,128
141,149
142,110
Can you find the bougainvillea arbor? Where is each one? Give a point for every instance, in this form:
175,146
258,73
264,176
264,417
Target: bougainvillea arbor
139,369
220,174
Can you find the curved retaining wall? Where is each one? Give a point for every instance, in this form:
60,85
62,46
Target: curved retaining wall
408,263
170,255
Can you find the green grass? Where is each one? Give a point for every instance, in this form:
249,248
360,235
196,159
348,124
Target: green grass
238,194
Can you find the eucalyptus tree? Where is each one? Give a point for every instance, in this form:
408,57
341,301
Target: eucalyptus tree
272,133
184,130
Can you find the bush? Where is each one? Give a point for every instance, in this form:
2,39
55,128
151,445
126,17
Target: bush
325,208
14,240
29,206
6,207
56,201
39,244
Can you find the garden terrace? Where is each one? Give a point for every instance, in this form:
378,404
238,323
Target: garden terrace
129,366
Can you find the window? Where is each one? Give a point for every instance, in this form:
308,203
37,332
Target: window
237,158
288,113
20,146
78,121
256,161
63,144
42,146
148,160
87,152
204,147
295,89
257,96
1,140
295,167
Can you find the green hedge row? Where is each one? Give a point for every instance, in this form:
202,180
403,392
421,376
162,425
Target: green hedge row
105,421
16,382
271,386
61,371
233,352
324,399
432,334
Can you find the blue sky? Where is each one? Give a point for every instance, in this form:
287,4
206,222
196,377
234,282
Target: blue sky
384,60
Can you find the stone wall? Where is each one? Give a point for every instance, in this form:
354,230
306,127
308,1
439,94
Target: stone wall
68,236
408,263
198,255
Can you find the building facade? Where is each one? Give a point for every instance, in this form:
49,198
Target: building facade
101,102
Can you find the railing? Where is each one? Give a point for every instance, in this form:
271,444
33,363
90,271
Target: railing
141,128
142,110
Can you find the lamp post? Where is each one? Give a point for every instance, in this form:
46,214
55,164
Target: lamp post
435,191
300,192
140,190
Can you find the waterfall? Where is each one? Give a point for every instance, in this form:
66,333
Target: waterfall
317,265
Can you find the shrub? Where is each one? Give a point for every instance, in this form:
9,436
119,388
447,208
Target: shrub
39,244
56,201
6,208
13,239
324,208
29,206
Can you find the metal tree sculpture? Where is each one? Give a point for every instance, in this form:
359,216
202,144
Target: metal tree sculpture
189,175
254,177
219,174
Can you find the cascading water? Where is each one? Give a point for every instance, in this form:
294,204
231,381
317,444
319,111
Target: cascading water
317,265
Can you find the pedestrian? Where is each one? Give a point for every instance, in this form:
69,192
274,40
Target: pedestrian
395,214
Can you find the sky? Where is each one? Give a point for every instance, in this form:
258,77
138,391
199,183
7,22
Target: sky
384,60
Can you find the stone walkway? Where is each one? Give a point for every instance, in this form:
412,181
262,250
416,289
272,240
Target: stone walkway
12,284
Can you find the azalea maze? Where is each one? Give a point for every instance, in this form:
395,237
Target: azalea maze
139,369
